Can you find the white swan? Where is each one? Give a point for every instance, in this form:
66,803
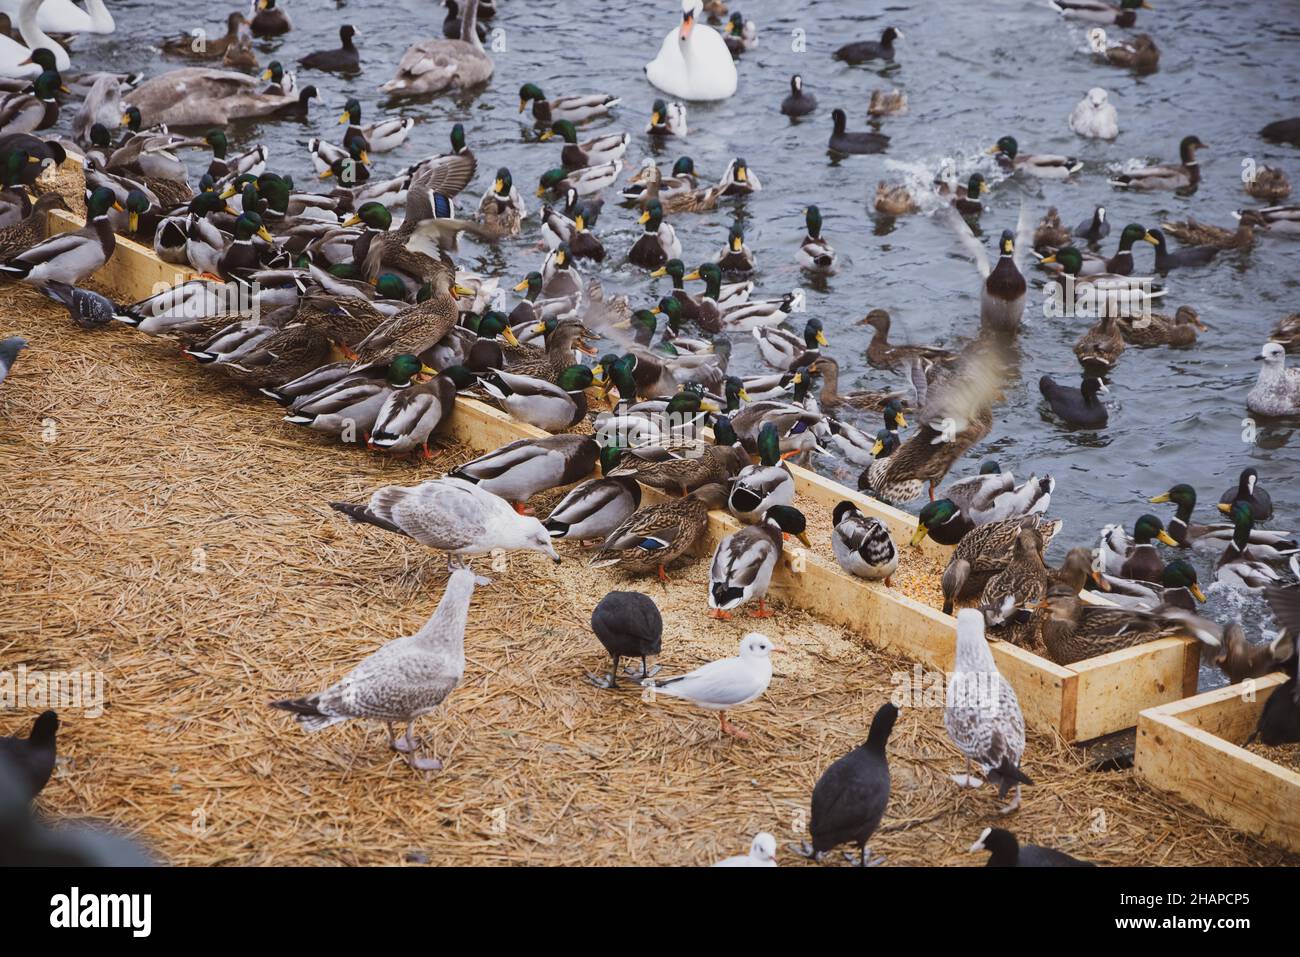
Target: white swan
64,16
693,62
14,56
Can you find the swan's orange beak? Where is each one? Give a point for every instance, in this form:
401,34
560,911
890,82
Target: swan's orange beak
688,21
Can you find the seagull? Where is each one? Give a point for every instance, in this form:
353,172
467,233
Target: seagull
404,679
982,715
453,516
729,683
762,853
850,797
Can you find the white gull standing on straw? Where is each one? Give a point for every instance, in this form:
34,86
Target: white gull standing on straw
982,714
402,680
762,853
453,516
722,685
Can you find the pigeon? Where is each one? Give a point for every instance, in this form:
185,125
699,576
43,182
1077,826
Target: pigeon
403,680
762,853
982,714
9,349
87,308
722,685
849,798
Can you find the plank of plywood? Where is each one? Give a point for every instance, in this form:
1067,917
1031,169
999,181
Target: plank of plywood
1115,686
1245,790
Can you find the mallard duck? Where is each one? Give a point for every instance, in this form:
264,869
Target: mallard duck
1044,165
350,403
502,207
782,349
418,327
683,470
585,181
431,66
409,416
1074,630
740,35
740,179
1022,582
887,103
594,508
1177,588
1238,567
576,109
983,552
1002,299
1281,220
1075,571
69,257
1157,329
1099,348
559,277
854,144
735,258
881,354
1095,116
345,58
1184,177
667,119
603,149
990,496
743,562
862,545
37,110
1121,264
1268,184
188,44
798,102
1122,14
1248,490
1050,233
815,253
32,229
1099,293
741,317
759,487
1140,54
1266,544
1285,332
268,20
654,536
658,242
830,396
893,199
864,50
379,137
552,407
1202,236
1187,256
523,468
1242,660
966,199
1143,562
677,189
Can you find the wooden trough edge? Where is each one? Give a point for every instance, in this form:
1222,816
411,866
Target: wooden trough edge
1188,748
1079,702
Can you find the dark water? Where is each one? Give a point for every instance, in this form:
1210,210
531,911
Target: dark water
972,74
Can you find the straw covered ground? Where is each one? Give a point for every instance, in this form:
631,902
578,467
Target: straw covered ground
174,535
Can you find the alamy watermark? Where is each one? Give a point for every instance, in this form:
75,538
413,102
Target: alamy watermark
36,690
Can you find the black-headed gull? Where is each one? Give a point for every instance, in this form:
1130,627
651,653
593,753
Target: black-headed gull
722,685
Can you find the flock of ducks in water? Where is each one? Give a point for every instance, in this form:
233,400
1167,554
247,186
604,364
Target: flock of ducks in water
366,329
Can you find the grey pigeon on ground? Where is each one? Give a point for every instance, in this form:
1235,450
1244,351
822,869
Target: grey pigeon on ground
9,349
88,309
